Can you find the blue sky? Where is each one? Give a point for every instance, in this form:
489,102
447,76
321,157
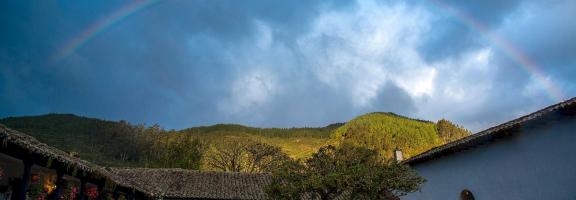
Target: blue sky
287,63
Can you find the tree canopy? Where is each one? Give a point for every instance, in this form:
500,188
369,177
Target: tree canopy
244,156
449,131
121,144
345,172
385,132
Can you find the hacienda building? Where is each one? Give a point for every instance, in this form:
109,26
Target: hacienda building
532,157
30,169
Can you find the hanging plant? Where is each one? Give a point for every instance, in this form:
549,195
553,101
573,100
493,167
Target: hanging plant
108,196
121,197
2,174
91,192
74,192
108,184
49,163
36,190
70,191
75,171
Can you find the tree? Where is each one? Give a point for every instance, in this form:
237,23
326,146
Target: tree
449,131
347,172
226,156
262,157
244,156
385,132
172,150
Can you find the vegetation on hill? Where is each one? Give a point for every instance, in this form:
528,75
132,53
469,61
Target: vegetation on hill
345,172
448,131
243,156
296,142
103,142
385,132
118,143
111,143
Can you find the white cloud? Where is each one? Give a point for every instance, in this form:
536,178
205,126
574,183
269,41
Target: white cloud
250,91
463,84
356,52
359,51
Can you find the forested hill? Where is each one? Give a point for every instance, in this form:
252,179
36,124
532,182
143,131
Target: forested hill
385,132
118,143
99,141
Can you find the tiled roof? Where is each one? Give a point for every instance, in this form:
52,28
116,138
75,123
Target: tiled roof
566,108
24,141
191,184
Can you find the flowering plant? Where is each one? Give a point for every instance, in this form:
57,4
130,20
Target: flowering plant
70,192
92,192
37,189
2,174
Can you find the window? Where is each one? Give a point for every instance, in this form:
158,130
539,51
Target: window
466,195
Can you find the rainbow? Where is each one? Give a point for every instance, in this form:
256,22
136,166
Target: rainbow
505,45
98,27
515,53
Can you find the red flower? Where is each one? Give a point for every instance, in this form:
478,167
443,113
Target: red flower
73,192
35,178
92,192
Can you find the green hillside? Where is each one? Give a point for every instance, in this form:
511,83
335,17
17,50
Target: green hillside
114,143
385,132
118,143
99,141
296,142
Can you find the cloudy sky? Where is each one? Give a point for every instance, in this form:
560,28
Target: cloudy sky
286,63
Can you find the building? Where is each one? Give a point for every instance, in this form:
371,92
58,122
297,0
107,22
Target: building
30,169
531,157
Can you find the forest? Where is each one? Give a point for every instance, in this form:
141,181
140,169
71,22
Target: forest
228,147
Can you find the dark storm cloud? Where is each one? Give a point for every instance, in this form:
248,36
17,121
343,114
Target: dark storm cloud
392,98
283,63
322,105
171,67
549,41
451,34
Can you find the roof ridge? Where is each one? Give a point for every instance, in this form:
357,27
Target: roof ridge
492,130
35,146
176,169
182,183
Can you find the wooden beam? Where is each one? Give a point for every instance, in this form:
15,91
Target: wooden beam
130,195
82,190
115,194
101,189
25,179
60,184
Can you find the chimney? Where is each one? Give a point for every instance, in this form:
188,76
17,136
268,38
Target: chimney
398,155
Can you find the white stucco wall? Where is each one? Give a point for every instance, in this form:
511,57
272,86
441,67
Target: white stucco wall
538,163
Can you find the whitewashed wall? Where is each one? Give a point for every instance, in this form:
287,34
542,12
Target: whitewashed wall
538,163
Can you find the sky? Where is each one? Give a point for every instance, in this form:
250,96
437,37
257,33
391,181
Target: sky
298,63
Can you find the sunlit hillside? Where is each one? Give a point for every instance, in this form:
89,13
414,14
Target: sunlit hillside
118,143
